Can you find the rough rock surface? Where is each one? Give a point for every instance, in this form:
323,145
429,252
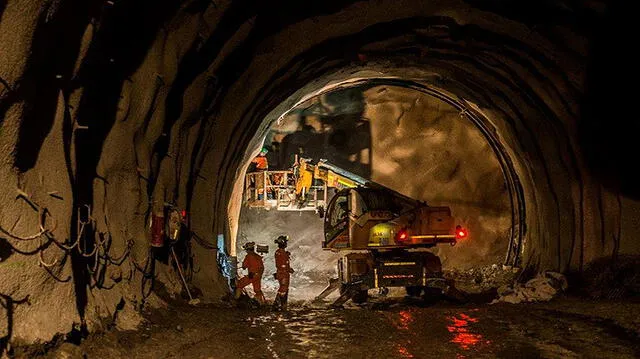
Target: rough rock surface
126,105
541,288
483,279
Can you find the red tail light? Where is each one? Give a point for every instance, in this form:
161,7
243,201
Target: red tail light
461,233
402,236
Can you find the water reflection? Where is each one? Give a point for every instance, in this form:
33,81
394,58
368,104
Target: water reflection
302,333
463,336
404,352
402,322
405,318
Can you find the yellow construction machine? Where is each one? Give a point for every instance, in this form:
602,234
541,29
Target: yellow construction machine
385,236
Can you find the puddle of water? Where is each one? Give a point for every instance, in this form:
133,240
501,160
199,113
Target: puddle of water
301,333
463,332
404,352
402,322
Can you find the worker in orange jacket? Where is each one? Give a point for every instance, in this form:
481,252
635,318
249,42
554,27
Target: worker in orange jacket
261,163
253,264
283,273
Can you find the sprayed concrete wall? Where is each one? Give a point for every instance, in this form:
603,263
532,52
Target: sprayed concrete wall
124,106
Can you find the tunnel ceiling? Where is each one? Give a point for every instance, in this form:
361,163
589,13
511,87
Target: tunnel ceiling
127,105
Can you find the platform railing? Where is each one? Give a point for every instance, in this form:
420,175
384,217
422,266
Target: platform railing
269,189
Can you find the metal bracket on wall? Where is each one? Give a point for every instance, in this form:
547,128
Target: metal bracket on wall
79,127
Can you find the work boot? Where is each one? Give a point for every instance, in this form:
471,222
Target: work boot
277,303
260,298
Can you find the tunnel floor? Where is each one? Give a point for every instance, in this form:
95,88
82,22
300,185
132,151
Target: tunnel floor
395,328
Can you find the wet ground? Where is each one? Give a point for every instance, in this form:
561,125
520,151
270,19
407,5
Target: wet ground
398,328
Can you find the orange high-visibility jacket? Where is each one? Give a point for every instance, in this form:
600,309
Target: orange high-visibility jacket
282,261
253,262
261,162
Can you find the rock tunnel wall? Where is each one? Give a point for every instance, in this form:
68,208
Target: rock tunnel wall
126,105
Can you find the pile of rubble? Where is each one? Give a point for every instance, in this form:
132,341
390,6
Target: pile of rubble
483,279
541,288
501,283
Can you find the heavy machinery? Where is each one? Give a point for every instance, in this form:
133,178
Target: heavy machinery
384,234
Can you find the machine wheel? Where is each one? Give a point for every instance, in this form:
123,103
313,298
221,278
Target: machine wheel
360,297
455,295
432,295
414,291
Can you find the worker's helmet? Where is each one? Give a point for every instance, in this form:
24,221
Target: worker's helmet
264,150
281,240
249,246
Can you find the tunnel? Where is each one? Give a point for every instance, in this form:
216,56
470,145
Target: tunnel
128,129
425,159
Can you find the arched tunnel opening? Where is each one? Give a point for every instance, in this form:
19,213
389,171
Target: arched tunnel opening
410,138
128,132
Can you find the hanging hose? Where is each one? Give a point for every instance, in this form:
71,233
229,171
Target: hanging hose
93,252
119,259
148,276
148,273
42,214
41,258
100,252
43,232
22,238
45,235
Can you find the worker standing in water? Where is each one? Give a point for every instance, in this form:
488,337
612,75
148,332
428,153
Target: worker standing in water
283,273
255,267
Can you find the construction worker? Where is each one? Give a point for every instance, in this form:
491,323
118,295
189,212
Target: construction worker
260,164
283,273
305,173
260,161
253,264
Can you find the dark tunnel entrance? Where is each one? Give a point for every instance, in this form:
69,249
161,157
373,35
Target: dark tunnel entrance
410,137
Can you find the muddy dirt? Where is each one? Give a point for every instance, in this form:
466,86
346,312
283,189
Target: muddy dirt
389,328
